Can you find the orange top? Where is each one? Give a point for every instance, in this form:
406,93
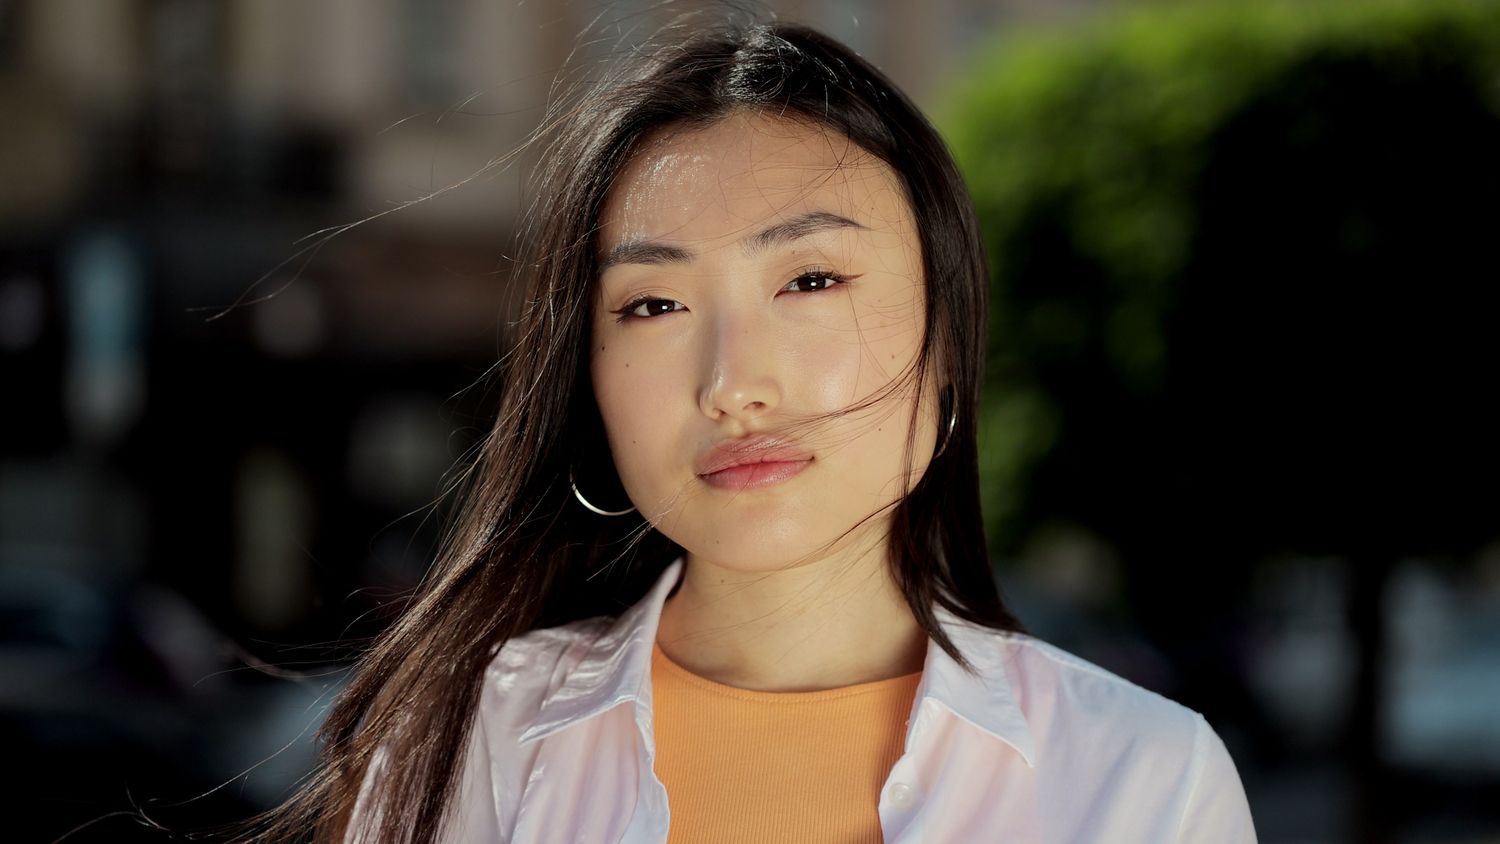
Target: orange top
751,766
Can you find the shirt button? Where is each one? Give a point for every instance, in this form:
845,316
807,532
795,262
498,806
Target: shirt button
900,794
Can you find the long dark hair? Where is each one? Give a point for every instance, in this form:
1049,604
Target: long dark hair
520,553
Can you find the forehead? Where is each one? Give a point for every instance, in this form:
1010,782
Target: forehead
711,185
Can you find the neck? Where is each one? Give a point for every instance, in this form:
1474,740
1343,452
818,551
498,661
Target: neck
836,621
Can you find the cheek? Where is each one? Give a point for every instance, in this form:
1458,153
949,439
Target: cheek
634,392
890,334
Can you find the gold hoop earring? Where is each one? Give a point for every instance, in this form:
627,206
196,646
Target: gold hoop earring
952,420
584,501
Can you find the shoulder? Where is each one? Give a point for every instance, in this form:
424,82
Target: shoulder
525,652
528,667
1073,699
520,675
1131,753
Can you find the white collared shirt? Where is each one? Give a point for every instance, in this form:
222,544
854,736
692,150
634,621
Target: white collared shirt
1041,746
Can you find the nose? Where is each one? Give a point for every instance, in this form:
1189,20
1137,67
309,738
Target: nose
742,365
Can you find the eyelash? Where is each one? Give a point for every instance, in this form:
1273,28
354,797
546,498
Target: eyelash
625,312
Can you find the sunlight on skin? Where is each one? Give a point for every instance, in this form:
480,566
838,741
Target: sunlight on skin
735,341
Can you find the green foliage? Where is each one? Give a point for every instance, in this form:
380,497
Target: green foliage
1091,142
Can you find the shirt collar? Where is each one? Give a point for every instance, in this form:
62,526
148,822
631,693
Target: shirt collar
617,668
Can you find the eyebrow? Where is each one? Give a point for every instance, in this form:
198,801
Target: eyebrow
786,231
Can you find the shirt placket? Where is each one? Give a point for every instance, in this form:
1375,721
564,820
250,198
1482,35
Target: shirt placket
651,819
901,794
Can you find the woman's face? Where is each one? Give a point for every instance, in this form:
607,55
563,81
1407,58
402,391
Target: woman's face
720,314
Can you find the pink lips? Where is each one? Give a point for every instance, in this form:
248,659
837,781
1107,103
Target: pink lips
751,462
755,475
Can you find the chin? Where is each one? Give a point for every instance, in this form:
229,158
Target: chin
755,552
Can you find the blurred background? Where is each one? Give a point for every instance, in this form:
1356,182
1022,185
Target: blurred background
1238,440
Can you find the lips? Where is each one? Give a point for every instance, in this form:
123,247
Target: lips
749,450
749,476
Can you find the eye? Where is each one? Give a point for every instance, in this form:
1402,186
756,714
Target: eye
630,310
826,279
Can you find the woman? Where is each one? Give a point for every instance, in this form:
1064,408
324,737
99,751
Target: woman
722,550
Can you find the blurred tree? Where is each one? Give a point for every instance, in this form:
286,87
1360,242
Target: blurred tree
1243,304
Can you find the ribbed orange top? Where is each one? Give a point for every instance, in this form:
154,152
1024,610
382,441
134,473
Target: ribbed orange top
750,766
